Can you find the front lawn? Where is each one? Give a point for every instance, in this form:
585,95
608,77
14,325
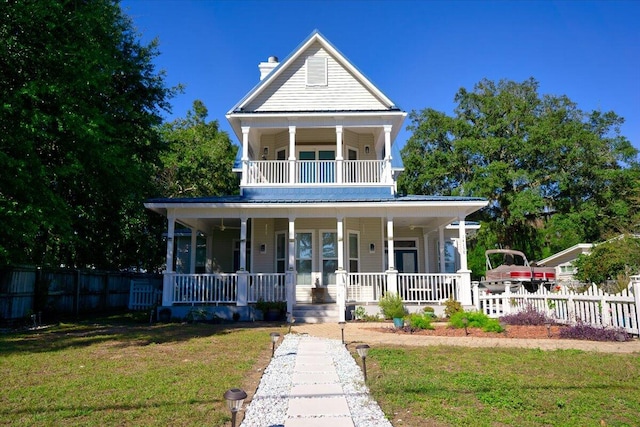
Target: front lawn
453,386
114,372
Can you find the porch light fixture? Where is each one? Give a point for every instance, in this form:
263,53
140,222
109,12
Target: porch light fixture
465,322
274,339
372,248
234,397
367,149
342,325
265,151
363,350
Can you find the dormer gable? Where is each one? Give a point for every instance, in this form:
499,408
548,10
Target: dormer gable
315,77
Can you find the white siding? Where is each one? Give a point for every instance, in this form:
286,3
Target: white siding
289,91
263,263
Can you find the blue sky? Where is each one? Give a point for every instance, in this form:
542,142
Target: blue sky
419,53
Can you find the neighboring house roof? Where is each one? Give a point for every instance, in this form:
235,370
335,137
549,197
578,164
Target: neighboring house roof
566,255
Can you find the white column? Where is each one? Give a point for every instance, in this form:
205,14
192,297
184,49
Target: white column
243,244
462,244
291,279
192,250
387,153
245,154
441,248
167,279
392,272
292,154
339,157
425,239
341,243
465,274
171,227
341,273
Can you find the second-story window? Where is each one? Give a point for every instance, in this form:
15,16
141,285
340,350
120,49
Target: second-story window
316,71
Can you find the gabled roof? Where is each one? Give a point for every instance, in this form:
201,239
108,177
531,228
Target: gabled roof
314,37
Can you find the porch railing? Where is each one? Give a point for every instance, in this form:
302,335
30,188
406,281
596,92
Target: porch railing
267,286
366,287
277,172
418,288
205,288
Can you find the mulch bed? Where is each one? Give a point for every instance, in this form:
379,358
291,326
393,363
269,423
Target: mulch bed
512,331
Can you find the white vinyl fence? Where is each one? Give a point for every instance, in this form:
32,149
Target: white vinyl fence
143,295
593,306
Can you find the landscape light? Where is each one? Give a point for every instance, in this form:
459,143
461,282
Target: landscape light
234,397
342,325
274,340
363,350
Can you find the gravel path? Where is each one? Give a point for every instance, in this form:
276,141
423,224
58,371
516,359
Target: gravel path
270,403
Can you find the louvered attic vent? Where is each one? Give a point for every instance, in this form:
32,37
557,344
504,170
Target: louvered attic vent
316,71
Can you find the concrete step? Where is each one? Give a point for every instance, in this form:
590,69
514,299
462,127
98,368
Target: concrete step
316,313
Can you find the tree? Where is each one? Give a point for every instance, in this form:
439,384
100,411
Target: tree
553,174
81,102
611,264
198,159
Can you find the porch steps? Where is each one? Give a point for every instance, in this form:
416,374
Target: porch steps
316,313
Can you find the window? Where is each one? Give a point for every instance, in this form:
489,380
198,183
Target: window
304,257
329,257
316,71
354,253
236,255
281,252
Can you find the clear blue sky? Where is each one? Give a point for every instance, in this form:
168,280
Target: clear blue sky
419,53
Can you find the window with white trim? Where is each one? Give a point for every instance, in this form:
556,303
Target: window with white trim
354,252
316,71
281,252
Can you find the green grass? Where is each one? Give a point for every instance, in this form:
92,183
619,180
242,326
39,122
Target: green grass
115,372
453,386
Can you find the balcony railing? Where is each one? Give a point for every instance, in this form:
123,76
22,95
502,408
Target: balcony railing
291,172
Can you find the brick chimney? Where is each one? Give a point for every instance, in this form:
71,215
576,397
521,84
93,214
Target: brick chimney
267,67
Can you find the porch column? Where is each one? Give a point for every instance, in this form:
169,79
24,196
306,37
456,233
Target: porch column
465,273
292,154
441,248
341,273
167,278
339,157
245,154
192,251
392,273
243,275
290,279
387,154
425,239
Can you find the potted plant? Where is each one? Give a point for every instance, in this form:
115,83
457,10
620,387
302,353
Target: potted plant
272,310
392,308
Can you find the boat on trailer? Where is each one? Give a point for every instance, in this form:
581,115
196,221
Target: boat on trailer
512,266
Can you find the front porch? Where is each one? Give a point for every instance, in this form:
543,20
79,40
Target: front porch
239,291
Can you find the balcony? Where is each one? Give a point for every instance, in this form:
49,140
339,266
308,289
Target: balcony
316,172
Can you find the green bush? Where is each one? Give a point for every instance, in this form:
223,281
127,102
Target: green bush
391,306
420,321
475,319
452,307
430,312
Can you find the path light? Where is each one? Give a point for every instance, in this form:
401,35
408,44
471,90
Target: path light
274,340
465,322
291,320
548,325
363,350
234,397
342,325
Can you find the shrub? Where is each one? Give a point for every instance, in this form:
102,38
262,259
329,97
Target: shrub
529,316
583,331
391,306
476,319
420,321
429,311
359,313
452,307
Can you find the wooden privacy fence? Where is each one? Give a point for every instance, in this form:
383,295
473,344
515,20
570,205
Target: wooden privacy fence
593,306
55,291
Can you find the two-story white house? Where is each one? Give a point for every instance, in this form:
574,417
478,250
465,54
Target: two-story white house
318,222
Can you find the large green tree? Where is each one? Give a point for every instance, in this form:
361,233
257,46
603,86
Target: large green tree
81,103
554,175
198,157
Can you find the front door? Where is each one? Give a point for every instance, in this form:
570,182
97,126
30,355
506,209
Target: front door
406,261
